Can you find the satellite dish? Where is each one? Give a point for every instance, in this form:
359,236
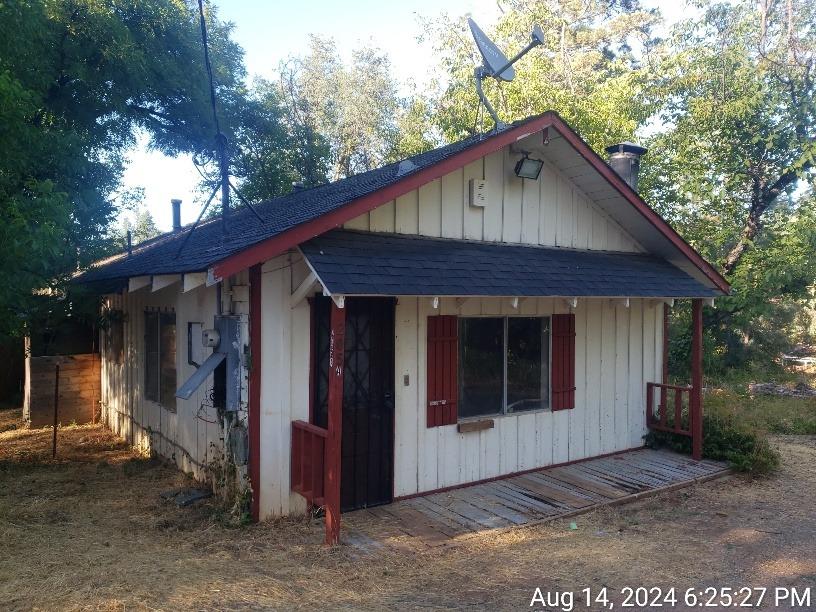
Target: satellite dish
492,56
496,64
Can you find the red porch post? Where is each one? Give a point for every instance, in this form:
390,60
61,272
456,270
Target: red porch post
696,403
665,381
335,424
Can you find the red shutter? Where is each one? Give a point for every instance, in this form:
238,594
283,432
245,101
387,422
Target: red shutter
563,361
443,369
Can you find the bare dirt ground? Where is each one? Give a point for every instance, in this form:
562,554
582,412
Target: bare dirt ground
89,531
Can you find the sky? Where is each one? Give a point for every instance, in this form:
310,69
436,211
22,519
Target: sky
272,30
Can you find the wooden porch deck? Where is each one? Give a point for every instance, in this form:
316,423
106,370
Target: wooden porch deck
536,497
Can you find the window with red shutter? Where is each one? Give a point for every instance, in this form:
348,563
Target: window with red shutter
563,361
443,366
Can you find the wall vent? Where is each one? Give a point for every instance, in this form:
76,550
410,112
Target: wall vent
478,193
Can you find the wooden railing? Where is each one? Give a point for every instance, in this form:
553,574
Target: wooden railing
308,456
675,417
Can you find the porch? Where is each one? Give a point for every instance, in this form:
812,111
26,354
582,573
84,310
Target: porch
436,408
525,499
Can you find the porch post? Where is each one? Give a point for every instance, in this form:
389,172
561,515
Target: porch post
696,407
665,381
335,423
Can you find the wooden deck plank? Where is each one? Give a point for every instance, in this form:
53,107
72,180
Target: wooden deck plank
569,488
674,472
426,505
626,484
485,519
521,496
493,505
574,477
441,521
436,519
550,492
619,470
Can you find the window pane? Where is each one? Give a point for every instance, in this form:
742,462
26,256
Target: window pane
167,361
151,373
528,347
481,366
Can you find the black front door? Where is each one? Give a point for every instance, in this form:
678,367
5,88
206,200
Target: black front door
367,469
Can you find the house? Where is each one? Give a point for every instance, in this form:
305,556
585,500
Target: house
432,323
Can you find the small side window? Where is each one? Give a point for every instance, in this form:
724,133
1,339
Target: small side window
160,358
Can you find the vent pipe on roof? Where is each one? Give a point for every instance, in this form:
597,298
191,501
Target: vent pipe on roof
129,239
624,158
176,204
297,186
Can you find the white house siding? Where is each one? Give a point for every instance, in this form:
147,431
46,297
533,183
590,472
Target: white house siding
618,348
284,379
617,351
187,435
551,211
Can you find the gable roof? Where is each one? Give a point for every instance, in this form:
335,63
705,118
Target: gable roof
366,263
295,218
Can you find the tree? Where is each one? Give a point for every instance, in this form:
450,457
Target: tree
738,89
352,107
586,70
736,144
77,78
280,144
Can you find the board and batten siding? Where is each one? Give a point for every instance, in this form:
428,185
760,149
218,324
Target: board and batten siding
286,341
618,349
190,435
551,211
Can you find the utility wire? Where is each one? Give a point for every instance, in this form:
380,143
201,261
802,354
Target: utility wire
220,139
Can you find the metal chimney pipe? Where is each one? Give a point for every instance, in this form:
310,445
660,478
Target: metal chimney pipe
624,158
176,204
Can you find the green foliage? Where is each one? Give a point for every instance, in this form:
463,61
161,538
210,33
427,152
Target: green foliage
734,89
586,70
77,79
725,440
352,106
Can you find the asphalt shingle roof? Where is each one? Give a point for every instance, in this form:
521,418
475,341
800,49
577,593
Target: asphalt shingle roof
362,263
209,244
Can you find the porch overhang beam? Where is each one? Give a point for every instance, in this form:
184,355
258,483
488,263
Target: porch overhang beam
161,281
192,280
138,282
309,284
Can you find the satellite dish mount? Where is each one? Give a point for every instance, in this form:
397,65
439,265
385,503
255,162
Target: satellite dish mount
496,64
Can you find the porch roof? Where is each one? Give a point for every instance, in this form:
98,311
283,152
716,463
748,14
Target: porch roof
364,263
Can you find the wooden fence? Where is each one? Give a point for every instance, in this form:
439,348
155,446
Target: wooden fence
79,389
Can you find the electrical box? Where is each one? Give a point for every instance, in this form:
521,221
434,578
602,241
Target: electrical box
210,338
477,193
225,340
240,293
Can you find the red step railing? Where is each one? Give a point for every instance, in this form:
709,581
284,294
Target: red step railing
662,420
308,456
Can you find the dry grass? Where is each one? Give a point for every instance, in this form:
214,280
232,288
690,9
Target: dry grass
89,531
777,414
